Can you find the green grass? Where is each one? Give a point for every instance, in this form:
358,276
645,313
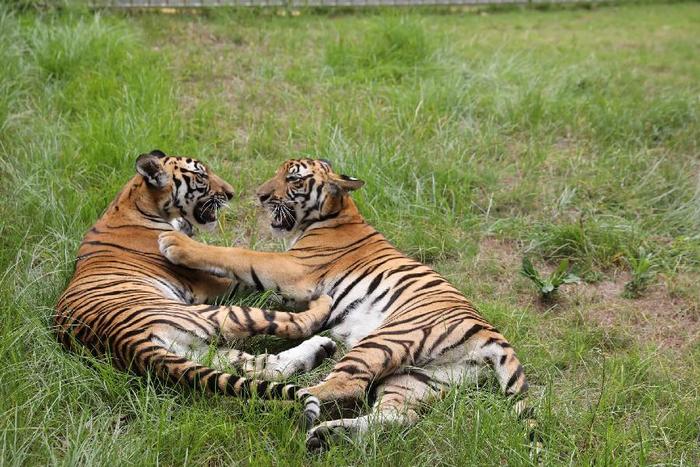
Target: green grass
562,134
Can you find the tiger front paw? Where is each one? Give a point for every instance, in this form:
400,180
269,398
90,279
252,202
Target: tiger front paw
177,247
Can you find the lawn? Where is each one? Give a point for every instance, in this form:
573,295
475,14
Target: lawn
483,138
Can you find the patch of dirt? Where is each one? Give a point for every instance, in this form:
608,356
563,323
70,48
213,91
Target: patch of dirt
658,317
666,315
500,260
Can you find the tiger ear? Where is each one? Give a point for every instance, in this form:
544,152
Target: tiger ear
349,183
151,169
158,153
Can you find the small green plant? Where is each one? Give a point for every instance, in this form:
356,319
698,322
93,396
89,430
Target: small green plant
643,272
549,286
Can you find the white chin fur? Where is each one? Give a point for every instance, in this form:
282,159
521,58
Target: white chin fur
182,225
209,226
278,232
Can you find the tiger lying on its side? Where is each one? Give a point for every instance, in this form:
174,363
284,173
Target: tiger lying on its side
126,301
412,333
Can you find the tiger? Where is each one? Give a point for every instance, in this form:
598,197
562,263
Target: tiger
127,302
411,334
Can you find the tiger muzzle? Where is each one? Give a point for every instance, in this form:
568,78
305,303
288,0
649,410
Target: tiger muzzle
206,210
281,216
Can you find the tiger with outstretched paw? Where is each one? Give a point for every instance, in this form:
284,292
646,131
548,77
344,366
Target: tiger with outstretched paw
127,301
412,334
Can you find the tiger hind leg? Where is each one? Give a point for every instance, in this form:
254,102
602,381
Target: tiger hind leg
401,393
148,355
398,399
196,348
303,357
497,352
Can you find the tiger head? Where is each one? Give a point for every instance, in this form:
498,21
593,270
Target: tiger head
182,188
304,191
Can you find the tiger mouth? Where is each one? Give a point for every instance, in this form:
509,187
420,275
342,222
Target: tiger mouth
282,216
207,210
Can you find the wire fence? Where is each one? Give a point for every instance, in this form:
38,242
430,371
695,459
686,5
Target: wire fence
311,3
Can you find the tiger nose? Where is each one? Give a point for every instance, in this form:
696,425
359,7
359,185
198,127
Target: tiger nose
229,193
263,197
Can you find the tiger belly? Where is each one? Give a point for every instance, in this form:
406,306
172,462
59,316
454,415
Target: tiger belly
356,324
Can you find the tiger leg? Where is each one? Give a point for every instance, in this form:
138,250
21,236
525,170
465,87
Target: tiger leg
497,352
391,347
304,357
486,346
195,347
146,353
397,404
235,322
262,270
371,359
509,371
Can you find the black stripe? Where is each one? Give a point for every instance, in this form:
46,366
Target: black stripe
473,330
350,369
231,384
430,284
256,280
270,317
514,377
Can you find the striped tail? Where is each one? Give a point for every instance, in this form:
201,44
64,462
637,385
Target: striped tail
180,370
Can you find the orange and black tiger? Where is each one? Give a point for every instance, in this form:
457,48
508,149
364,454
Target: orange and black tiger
128,302
413,335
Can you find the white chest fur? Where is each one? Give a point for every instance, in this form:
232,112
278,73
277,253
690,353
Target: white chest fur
358,312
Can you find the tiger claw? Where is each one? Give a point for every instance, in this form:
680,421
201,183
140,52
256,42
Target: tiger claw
317,439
